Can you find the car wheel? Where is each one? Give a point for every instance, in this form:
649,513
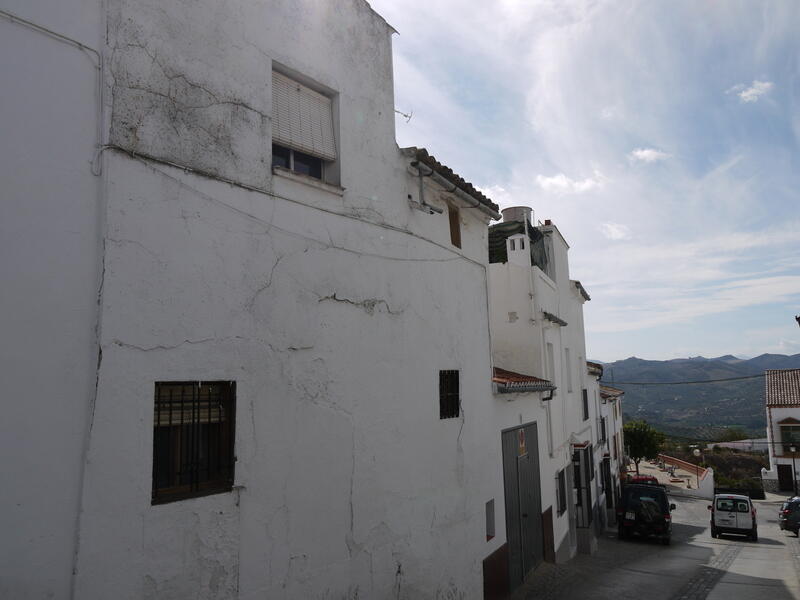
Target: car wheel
754,535
621,533
714,532
665,540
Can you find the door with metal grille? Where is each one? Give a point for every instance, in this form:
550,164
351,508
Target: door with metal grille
523,501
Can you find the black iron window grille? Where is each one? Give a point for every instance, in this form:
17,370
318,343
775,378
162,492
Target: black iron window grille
561,487
449,399
585,395
193,437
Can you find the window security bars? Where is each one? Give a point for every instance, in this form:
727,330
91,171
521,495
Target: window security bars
585,396
449,400
561,490
193,437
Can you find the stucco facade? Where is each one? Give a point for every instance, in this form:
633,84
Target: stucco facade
332,306
537,328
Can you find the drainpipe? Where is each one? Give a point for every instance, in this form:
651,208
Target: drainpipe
432,209
455,190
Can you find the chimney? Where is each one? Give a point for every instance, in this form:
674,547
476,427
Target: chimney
518,213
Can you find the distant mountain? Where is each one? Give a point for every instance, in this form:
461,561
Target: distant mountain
698,410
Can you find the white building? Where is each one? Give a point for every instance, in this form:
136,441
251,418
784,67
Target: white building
783,430
249,358
537,330
613,453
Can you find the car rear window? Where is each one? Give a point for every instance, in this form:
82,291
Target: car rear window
725,504
742,506
637,496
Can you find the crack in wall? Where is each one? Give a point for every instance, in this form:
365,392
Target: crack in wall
369,305
118,342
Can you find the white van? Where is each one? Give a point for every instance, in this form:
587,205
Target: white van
732,513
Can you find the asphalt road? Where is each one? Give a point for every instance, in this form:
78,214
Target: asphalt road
694,567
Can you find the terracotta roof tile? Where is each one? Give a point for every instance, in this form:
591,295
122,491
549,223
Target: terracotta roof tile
511,381
421,154
611,393
783,387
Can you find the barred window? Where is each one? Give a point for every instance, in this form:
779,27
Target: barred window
585,395
561,491
449,400
193,436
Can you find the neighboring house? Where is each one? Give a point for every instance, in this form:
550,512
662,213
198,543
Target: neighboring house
537,329
613,453
782,396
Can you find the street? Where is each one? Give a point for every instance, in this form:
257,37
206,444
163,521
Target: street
693,567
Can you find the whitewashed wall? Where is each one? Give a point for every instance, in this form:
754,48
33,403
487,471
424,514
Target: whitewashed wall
333,312
50,215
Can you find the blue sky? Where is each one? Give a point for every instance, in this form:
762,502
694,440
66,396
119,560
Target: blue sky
661,137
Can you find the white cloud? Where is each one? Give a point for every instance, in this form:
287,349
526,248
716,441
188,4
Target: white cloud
752,93
648,155
615,231
561,184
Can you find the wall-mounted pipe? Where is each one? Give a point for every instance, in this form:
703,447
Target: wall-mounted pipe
456,190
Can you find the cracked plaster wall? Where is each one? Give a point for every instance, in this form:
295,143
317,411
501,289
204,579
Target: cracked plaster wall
335,340
49,264
348,484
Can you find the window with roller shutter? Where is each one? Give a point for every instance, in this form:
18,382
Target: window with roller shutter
303,138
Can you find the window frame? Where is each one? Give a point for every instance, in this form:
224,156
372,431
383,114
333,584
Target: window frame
449,394
561,492
454,217
585,399
182,452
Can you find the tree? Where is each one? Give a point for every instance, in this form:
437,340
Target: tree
731,434
642,441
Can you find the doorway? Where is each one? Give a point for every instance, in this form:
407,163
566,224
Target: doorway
785,481
522,500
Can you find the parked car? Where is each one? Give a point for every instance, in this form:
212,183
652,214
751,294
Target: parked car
789,515
644,510
648,479
733,513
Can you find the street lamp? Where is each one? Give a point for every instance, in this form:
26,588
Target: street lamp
793,449
696,453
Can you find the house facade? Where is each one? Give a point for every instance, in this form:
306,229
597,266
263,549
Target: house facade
782,395
253,356
537,329
613,455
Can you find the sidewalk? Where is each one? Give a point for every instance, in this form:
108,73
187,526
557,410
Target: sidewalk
685,483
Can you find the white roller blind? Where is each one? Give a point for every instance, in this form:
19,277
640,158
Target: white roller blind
302,118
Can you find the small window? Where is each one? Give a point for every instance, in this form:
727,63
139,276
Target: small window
603,429
490,519
449,400
522,244
302,128
455,226
585,395
790,436
296,161
511,244
561,491
193,436
568,367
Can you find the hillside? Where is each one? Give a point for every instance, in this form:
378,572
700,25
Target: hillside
696,410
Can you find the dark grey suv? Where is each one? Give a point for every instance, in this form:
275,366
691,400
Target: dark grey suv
789,515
